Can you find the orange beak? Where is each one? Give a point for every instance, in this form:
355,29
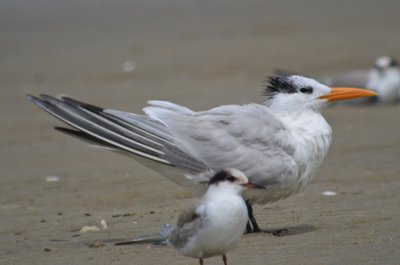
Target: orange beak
342,93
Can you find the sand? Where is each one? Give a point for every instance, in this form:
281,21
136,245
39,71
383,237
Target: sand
199,54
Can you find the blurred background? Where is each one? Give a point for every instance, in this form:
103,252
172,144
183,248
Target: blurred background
185,49
200,54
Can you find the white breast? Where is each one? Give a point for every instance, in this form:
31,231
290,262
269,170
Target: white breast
312,137
225,218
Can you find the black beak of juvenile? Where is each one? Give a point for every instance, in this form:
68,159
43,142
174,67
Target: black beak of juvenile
250,185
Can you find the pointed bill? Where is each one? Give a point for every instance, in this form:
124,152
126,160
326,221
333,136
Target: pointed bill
343,93
251,185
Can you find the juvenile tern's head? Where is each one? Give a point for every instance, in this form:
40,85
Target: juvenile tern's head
296,92
233,177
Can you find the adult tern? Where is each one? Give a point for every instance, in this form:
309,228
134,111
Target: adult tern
278,144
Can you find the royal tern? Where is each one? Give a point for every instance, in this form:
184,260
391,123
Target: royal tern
278,144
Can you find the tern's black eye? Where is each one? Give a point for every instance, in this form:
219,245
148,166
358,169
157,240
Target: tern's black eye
306,90
231,179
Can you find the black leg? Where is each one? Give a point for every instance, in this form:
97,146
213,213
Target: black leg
225,259
252,226
249,229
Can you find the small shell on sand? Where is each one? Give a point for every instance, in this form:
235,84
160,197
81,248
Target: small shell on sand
52,179
88,228
329,193
104,224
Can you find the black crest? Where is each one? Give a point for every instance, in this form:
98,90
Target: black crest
279,84
221,176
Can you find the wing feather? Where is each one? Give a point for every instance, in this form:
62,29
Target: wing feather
243,137
246,137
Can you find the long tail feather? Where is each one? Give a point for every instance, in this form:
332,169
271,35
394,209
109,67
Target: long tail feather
141,137
99,127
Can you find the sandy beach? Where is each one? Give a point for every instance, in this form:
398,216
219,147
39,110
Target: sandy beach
200,54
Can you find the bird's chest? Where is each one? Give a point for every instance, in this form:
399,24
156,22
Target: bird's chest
222,227
227,213
312,139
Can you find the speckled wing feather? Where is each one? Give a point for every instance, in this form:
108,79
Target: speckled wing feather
189,222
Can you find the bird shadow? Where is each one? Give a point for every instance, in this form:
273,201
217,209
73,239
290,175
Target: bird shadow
157,241
291,230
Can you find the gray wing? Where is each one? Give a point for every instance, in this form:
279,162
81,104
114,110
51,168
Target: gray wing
247,138
179,143
141,137
189,222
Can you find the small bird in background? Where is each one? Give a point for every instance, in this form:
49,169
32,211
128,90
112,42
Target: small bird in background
214,224
383,78
278,144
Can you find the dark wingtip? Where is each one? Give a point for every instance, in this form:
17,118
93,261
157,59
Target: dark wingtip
31,97
71,132
155,241
62,129
87,106
46,97
35,100
50,99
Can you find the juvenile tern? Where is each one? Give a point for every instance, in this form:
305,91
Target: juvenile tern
215,224
278,144
212,225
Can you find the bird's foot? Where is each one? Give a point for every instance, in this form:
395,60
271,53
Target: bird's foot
277,232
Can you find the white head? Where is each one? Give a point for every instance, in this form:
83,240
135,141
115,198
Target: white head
233,177
297,93
385,62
